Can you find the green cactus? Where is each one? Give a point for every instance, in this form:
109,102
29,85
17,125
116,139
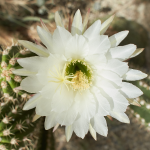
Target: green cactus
17,131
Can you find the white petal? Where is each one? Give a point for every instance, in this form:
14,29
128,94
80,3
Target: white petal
31,103
85,22
93,132
99,124
103,105
122,52
120,103
43,74
106,24
87,104
51,66
80,127
97,61
23,72
68,117
45,37
32,63
62,99
39,50
31,84
109,75
137,52
68,131
117,66
133,75
134,102
77,47
93,30
77,23
122,117
58,19
99,44
50,121
43,107
130,91
60,39
117,38
49,89
108,87
108,98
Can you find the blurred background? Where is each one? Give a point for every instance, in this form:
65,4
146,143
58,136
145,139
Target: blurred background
18,20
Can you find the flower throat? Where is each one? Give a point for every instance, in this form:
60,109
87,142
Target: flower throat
82,74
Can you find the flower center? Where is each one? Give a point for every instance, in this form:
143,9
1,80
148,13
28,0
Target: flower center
82,74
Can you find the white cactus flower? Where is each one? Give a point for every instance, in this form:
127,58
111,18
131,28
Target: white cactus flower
79,77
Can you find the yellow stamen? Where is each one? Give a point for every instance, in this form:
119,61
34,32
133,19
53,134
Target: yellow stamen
80,82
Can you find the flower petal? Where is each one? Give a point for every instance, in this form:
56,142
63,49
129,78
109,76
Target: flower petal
109,75
68,117
93,30
106,24
45,37
122,52
77,47
137,52
130,91
50,121
32,102
68,131
117,38
85,22
99,44
103,105
39,50
86,104
43,107
133,75
32,63
96,61
93,132
50,68
77,24
49,89
117,66
99,124
80,127
120,103
31,84
60,39
58,19
24,72
122,117
107,86
62,99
